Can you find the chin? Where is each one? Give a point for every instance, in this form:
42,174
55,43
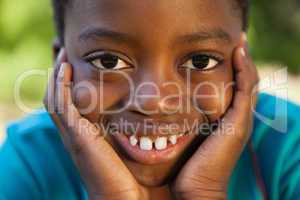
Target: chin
152,175
149,181
159,174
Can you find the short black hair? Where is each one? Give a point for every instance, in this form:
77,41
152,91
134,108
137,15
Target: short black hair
59,7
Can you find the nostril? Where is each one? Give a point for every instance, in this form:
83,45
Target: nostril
137,112
144,107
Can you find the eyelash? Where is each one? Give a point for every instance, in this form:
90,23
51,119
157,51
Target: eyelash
210,55
89,58
93,56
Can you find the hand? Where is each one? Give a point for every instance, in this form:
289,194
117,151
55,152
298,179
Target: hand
206,174
103,172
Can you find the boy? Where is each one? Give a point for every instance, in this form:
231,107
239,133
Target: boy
152,100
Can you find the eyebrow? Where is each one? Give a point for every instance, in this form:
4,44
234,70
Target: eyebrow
93,33
212,34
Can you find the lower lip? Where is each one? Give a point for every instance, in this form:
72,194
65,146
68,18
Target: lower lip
153,156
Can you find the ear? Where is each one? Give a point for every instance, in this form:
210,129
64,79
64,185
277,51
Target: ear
56,47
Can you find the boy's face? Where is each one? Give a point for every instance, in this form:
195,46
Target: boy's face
171,69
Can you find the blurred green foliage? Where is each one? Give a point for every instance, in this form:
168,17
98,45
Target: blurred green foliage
275,32
26,32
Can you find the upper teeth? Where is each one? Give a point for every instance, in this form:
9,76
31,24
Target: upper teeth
133,140
173,139
145,143
160,143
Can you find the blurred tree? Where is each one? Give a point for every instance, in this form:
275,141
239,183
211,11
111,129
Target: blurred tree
275,32
26,32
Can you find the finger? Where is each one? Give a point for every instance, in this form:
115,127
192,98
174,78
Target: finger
93,155
50,93
64,106
245,76
49,99
218,154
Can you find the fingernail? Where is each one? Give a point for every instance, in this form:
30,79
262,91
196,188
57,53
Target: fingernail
243,52
60,55
244,37
61,71
245,42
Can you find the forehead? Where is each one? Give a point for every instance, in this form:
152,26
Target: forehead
155,19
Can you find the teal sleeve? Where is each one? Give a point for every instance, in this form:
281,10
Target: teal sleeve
290,178
35,165
16,179
270,169
278,151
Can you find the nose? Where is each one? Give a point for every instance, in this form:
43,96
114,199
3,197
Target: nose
158,91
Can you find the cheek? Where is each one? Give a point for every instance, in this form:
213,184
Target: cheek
215,103
86,99
93,93
214,93
92,99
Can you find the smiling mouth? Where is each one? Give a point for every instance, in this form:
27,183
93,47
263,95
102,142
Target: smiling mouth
158,143
153,149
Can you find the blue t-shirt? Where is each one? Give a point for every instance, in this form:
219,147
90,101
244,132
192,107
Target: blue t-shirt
35,165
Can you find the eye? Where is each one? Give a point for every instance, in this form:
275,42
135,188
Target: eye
201,62
107,61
